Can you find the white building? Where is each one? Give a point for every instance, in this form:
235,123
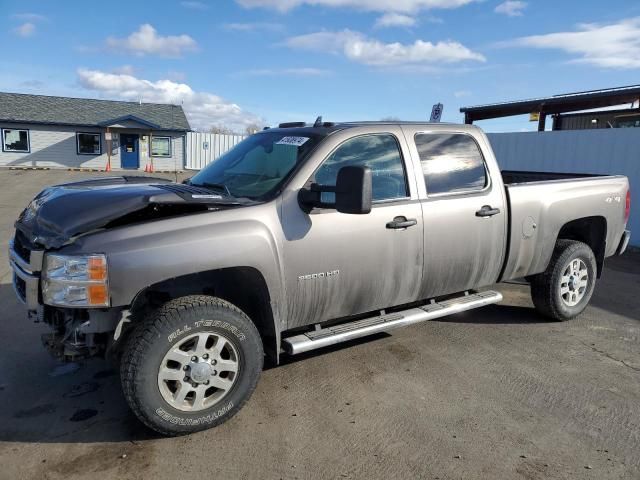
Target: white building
44,131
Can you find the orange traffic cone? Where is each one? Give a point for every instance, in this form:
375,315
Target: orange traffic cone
108,168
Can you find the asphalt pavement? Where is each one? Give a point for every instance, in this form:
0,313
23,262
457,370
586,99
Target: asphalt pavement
495,393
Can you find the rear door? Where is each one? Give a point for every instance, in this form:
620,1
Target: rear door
464,212
338,264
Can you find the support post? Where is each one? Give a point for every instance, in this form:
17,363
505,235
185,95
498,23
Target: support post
108,168
542,122
150,156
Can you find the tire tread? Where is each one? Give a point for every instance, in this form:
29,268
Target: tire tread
139,341
543,284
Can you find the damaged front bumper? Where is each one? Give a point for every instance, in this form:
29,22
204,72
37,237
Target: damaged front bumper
26,278
77,332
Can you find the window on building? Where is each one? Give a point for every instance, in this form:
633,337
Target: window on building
627,121
451,163
89,143
378,152
161,146
15,140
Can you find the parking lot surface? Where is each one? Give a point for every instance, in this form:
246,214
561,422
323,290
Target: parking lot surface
497,392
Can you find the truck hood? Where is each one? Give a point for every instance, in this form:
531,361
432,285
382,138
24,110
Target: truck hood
59,214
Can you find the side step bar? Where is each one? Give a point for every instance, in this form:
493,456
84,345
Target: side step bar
381,323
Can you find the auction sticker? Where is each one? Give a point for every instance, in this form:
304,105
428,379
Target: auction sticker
295,141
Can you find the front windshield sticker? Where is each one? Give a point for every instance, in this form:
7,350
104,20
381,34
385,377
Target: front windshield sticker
295,141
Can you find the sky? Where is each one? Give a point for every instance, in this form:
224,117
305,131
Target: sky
235,63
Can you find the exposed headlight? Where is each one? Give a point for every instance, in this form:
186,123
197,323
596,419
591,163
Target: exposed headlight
75,281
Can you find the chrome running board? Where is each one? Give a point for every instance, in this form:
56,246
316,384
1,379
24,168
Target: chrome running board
380,323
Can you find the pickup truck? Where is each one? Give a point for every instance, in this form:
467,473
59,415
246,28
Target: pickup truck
300,237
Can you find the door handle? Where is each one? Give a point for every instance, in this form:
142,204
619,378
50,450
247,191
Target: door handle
402,222
487,211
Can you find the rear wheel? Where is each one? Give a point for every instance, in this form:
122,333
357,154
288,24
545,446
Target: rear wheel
191,365
563,291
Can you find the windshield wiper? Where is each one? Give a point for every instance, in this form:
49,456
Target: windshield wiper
220,187
224,190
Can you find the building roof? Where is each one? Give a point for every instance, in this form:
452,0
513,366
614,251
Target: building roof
570,102
43,109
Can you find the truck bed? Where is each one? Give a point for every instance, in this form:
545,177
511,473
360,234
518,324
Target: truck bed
511,177
541,203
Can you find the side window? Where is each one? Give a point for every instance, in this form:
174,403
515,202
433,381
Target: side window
381,153
451,163
15,140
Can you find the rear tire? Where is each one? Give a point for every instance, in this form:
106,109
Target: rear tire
563,291
191,365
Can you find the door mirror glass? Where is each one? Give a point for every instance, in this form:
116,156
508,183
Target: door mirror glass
353,192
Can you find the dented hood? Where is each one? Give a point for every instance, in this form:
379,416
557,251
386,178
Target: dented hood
60,213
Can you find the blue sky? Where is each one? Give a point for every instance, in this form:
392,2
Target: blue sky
232,63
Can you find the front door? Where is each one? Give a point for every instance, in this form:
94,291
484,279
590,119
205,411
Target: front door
339,264
129,144
464,215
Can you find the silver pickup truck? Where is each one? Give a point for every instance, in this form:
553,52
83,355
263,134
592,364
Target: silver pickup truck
298,238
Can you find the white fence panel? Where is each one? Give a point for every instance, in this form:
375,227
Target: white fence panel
204,148
614,151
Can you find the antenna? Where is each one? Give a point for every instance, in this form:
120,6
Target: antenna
318,122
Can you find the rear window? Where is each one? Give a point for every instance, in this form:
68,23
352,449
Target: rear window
451,163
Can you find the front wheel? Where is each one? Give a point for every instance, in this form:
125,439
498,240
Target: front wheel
563,291
191,365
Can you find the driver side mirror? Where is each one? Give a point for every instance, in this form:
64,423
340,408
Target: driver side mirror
353,192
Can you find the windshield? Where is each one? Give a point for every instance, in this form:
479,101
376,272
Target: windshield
258,165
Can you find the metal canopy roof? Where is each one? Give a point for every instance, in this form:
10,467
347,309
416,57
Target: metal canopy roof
570,102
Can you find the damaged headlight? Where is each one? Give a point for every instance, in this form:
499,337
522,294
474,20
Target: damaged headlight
75,281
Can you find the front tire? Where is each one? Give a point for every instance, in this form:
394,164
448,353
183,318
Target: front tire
564,289
191,365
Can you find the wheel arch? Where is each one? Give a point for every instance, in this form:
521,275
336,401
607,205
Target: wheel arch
589,230
244,287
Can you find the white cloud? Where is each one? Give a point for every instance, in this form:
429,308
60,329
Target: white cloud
29,17
203,109
462,93
511,8
146,41
369,5
393,19
125,70
25,30
613,45
361,49
255,26
195,5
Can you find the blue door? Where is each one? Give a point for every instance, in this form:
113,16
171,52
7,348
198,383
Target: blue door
129,151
